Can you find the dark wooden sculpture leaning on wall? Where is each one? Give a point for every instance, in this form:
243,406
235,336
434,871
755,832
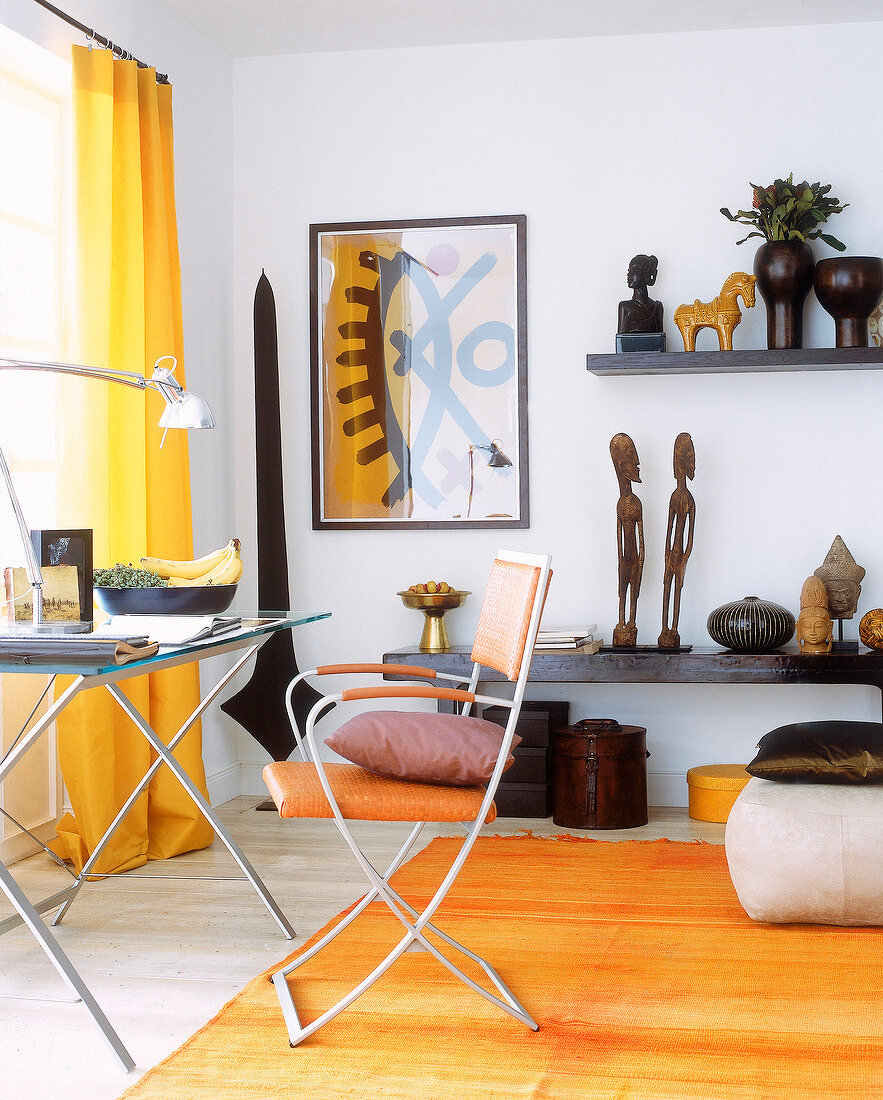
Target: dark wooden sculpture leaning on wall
260,705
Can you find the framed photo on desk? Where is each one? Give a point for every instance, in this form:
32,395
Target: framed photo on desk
69,546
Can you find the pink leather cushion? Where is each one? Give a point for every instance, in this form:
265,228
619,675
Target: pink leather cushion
422,748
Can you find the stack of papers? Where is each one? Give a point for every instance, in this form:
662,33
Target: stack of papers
168,629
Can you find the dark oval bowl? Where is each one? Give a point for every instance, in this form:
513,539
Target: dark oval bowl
751,625
204,599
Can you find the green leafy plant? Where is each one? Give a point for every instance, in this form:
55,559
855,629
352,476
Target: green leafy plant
127,576
789,211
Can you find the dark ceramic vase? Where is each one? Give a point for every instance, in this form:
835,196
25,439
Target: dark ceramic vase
849,288
784,272
751,625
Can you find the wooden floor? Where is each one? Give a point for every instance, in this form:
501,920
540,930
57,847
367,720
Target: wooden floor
161,957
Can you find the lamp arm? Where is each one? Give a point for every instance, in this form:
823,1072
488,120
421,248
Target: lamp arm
124,378
163,381
184,409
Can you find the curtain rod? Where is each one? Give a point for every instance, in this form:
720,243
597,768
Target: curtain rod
100,40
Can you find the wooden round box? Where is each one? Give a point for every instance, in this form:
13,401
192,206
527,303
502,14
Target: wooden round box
599,775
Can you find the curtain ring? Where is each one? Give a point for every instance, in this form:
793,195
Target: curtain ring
90,38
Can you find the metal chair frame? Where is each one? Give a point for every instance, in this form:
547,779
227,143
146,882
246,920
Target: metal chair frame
416,924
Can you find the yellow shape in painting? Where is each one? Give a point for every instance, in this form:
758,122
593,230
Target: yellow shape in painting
366,403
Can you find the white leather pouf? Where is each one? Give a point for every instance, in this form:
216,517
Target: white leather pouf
810,853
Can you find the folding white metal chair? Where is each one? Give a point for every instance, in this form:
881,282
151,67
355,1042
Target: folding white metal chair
504,641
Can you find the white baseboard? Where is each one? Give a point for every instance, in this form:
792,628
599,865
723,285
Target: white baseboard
20,846
252,783
225,784
667,789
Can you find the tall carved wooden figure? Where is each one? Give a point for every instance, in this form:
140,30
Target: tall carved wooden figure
259,705
678,540
629,537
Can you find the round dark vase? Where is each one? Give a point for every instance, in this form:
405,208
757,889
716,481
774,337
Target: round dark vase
751,625
849,288
784,272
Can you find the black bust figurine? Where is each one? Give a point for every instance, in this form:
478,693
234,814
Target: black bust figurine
641,313
640,317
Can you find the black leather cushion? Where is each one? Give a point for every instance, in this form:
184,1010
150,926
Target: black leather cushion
821,752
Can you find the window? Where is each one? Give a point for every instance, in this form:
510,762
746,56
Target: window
35,238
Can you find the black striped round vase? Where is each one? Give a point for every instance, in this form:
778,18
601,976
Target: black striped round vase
751,625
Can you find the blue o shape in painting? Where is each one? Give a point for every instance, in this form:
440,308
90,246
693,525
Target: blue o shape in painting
495,376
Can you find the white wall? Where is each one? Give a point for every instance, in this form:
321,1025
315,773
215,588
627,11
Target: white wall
610,147
200,74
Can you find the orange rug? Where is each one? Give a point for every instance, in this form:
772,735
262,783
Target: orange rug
646,976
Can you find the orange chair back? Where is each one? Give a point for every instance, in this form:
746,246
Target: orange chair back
505,616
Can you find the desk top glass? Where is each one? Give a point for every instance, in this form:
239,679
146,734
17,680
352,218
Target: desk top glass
255,625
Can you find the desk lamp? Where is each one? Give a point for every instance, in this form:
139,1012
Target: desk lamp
183,410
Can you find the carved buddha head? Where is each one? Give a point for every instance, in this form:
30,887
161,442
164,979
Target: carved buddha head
815,631
842,578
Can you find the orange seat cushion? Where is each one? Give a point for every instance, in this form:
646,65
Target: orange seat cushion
364,796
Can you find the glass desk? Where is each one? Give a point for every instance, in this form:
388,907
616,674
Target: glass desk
88,673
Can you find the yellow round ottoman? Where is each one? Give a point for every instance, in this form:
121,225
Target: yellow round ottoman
713,790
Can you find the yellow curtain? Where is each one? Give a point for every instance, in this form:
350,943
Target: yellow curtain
135,496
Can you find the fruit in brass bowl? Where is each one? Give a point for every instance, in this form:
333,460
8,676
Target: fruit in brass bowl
432,594
433,602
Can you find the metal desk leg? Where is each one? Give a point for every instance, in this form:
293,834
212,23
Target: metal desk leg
164,752
63,965
29,915
164,755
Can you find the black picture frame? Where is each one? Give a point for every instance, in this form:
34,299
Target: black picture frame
68,546
418,348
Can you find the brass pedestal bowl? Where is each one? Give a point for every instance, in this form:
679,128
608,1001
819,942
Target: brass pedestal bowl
434,638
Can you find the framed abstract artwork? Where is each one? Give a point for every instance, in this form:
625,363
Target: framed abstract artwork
419,373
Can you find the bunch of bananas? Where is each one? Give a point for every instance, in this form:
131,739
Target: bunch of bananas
223,566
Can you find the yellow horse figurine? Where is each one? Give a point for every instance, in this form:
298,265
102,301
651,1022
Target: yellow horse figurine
723,314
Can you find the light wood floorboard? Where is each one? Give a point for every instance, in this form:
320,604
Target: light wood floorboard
163,956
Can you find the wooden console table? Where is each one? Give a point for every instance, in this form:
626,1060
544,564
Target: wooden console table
699,666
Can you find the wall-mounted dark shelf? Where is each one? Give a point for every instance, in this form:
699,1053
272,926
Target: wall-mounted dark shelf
735,362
